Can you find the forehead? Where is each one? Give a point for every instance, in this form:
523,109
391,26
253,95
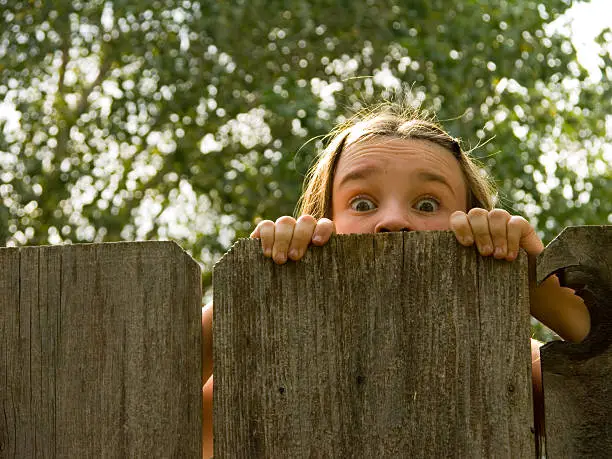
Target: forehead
390,153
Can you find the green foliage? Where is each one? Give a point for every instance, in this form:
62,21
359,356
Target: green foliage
189,120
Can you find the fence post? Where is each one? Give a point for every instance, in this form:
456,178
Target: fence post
100,351
577,378
388,345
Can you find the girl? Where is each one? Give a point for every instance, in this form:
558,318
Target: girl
391,169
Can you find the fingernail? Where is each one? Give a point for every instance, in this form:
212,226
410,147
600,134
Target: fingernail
498,252
281,258
512,255
317,239
487,249
468,240
267,252
293,254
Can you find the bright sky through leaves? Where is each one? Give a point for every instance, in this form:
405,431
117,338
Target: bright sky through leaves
585,21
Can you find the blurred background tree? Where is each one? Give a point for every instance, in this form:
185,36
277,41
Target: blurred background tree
190,120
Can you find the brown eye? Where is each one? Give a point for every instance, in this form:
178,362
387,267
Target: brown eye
362,205
427,205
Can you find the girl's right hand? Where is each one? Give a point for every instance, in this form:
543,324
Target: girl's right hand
288,239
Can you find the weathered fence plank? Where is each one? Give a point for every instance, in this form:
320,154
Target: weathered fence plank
389,345
100,351
577,378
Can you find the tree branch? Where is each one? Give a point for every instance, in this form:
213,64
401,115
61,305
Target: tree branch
63,27
83,103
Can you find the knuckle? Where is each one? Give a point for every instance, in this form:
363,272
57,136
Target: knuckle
477,212
520,219
308,219
499,214
325,224
517,221
265,223
458,220
285,220
458,215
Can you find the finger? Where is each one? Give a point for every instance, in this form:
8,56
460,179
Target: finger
265,232
323,231
255,233
461,227
528,239
479,222
514,228
302,233
282,238
498,221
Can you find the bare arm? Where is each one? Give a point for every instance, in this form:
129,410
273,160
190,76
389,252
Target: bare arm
207,357
207,417
207,381
560,309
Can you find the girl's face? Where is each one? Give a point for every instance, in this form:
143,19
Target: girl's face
391,184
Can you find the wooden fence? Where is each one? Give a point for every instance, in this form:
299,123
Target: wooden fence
100,352
405,345
578,377
396,345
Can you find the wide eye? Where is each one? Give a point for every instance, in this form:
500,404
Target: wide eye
427,205
362,205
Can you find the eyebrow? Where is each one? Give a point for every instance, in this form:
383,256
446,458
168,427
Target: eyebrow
427,176
359,174
366,172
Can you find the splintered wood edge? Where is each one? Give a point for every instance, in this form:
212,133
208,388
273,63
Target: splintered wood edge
251,244
558,254
563,253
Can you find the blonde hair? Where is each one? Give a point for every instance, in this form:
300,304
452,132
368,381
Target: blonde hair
389,119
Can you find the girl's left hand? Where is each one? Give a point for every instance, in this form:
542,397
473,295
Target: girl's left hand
495,232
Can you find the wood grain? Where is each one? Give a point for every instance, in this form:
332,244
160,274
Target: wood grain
100,351
577,378
388,345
